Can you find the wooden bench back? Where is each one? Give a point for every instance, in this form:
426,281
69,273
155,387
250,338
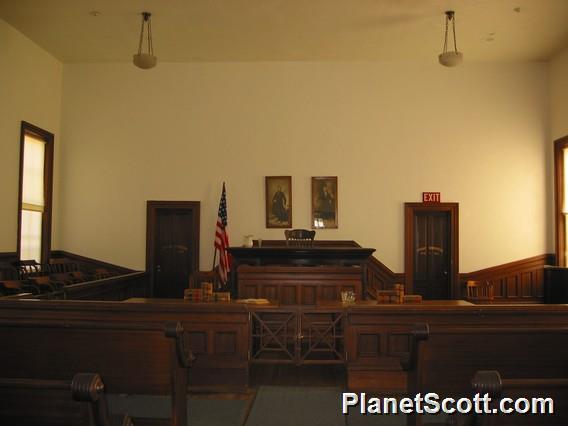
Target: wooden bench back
447,359
132,358
37,402
498,387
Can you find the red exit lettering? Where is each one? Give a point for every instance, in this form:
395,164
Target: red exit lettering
431,197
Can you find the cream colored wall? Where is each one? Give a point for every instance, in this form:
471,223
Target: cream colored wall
30,90
388,131
558,68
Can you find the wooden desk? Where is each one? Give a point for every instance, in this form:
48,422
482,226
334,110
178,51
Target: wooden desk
340,255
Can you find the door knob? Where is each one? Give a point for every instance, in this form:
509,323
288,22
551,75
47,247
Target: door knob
158,268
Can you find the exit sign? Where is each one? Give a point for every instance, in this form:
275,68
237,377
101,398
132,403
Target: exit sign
431,197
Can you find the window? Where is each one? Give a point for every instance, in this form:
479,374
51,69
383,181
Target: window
36,177
561,198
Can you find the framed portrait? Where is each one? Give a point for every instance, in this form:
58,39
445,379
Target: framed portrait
278,201
324,202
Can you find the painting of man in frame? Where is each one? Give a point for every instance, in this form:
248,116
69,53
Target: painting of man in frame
324,202
278,201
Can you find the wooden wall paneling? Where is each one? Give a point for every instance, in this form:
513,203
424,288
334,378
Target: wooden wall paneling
519,281
299,285
8,257
380,277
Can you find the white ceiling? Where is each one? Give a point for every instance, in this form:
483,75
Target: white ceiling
291,30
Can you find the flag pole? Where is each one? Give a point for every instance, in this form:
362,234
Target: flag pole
214,259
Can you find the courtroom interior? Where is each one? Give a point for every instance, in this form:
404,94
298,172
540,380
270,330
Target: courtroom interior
229,213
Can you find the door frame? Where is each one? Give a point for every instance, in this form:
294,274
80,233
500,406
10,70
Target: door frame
152,208
409,210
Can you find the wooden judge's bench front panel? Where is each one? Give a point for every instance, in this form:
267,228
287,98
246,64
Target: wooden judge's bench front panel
299,285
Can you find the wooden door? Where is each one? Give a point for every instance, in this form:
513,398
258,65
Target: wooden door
431,250
432,255
172,246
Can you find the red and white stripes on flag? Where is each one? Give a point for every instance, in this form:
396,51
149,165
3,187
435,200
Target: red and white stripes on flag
222,239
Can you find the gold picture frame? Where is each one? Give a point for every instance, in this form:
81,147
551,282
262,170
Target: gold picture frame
324,202
278,201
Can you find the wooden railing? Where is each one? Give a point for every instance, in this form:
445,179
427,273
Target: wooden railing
380,277
136,284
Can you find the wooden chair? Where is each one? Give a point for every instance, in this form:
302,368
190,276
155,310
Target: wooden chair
299,237
78,277
102,273
10,287
61,266
44,284
28,401
29,268
479,292
199,277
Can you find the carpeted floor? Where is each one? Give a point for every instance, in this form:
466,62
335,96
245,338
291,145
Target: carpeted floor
288,406
201,411
313,406
271,406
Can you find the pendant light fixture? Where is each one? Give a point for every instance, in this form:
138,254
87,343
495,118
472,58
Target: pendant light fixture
145,60
450,58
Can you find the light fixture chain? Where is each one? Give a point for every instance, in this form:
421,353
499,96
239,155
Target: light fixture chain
446,36
150,47
454,30
141,38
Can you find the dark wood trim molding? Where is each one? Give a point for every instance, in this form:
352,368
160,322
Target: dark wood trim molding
518,281
8,256
316,243
560,227
409,210
48,138
152,208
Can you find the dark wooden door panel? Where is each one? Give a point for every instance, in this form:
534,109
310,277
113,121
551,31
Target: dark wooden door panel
172,252
431,250
432,255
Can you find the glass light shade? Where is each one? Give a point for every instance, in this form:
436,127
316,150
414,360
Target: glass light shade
450,59
145,60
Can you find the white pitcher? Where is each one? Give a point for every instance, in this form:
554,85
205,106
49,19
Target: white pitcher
248,241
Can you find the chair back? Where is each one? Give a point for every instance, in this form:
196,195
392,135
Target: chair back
299,237
479,292
199,277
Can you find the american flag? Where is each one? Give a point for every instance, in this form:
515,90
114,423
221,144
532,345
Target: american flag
222,238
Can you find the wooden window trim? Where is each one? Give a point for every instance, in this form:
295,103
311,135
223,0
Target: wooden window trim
29,129
560,227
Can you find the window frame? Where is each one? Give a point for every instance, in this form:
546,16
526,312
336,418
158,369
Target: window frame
37,132
560,224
